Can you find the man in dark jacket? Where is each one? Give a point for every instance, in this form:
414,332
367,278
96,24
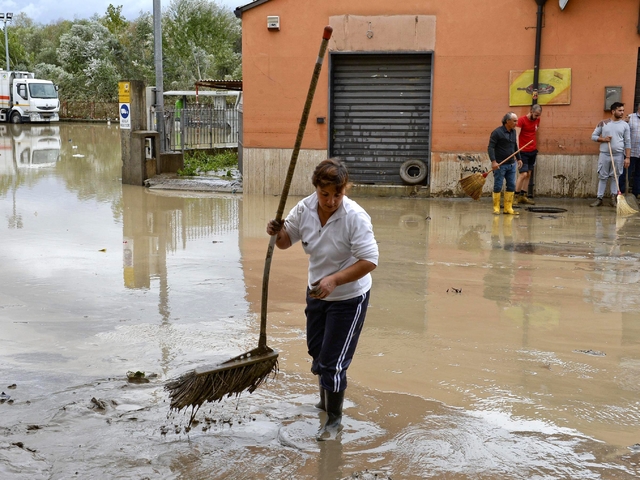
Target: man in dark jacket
502,144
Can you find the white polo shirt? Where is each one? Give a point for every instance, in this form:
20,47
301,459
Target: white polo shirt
346,238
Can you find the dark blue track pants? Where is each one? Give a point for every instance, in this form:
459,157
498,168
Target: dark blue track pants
333,330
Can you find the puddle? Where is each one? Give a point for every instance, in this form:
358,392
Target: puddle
480,356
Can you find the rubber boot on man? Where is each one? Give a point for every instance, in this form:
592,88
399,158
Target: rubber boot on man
508,204
496,203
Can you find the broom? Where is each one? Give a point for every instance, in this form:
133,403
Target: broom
472,185
630,197
247,371
622,207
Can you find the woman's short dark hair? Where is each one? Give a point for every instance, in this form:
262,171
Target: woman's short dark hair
331,172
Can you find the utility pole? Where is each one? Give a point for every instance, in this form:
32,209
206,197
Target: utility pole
157,54
536,75
6,17
536,60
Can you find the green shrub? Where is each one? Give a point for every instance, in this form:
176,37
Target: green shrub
199,162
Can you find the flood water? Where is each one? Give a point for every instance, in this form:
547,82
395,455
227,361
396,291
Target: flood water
494,347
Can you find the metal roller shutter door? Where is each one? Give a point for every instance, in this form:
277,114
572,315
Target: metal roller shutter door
380,113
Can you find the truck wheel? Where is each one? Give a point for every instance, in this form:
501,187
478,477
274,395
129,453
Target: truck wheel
16,117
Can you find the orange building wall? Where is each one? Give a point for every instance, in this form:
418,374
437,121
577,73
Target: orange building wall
477,44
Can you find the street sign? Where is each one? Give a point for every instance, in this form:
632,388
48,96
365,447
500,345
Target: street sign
124,92
125,116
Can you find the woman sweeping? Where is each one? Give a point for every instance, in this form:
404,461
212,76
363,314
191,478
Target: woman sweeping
337,235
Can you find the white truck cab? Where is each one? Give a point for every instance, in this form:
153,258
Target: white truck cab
24,98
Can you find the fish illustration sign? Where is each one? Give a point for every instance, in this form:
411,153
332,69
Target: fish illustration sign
554,87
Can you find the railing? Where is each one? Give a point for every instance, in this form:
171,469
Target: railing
198,127
188,128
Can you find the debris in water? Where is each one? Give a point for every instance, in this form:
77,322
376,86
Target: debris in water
137,377
595,353
98,404
369,475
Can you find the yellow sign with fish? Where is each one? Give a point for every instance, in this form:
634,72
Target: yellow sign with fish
554,87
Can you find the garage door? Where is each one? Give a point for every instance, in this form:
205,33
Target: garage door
380,114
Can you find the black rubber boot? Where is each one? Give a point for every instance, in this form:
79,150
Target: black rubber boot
321,404
333,425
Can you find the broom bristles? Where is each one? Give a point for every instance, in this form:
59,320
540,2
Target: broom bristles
193,389
623,207
472,185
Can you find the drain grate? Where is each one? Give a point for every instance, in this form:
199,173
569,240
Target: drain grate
546,209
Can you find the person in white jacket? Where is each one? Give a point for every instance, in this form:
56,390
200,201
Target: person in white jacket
615,141
338,236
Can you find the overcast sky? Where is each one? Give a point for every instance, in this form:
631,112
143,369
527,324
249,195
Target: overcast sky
48,11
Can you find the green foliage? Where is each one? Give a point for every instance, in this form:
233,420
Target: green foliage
198,162
87,58
87,52
201,40
113,20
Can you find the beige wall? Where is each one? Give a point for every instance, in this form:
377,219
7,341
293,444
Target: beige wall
475,45
265,170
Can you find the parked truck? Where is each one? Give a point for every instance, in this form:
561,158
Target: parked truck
24,98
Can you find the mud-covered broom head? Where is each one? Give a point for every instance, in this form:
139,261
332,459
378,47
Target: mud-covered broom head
213,383
472,185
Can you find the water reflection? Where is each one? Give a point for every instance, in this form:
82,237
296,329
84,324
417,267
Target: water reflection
28,146
157,224
98,279
499,277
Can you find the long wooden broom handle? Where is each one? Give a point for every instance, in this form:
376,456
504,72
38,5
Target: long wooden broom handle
516,152
613,165
485,174
287,183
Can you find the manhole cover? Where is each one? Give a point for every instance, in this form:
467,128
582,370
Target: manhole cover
546,209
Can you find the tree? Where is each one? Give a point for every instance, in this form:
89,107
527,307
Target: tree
87,53
38,42
136,58
114,21
200,41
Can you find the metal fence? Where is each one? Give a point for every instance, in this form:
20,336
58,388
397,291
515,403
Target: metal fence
202,126
89,110
187,128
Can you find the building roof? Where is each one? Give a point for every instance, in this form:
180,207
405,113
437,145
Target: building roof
240,10
221,84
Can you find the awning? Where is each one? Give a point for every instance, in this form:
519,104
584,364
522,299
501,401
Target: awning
220,84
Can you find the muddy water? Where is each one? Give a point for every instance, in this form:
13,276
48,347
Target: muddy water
493,347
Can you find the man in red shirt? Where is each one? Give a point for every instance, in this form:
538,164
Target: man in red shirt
526,128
